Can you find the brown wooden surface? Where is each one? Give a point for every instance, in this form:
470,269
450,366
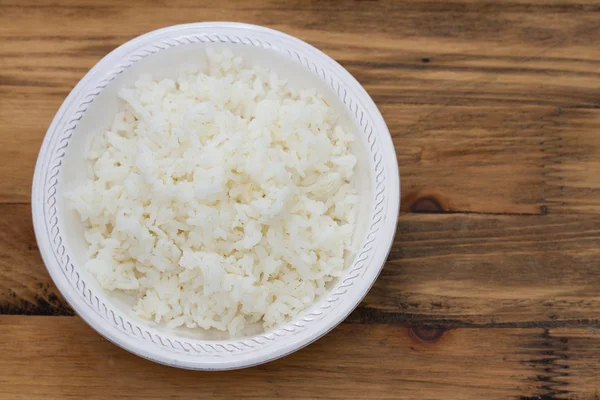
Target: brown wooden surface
494,108
61,357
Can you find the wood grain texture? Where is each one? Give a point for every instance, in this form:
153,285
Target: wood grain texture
353,361
25,285
479,97
451,270
491,270
491,287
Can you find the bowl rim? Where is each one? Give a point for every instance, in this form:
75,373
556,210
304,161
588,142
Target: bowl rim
262,354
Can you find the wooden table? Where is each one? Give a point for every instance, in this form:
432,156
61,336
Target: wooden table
492,288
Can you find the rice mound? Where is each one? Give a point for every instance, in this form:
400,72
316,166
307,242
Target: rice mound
220,200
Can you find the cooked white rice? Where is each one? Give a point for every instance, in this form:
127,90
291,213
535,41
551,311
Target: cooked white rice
221,199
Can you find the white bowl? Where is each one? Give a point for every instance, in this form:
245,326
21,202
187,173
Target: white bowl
89,109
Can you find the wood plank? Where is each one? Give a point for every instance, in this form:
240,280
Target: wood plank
476,95
484,270
571,173
20,139
476,159
521,162
25,285
453,270
62,358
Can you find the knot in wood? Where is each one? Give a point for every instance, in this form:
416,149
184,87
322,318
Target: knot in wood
427,204
428,333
